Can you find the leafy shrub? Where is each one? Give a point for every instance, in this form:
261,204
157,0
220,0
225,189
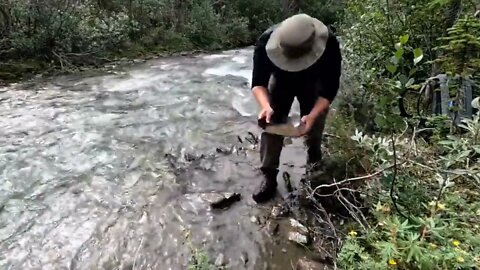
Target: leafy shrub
440,230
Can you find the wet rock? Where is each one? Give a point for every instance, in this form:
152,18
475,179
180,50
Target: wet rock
276,211
76,191
308,264
220,261
298,238
279,211
273,227
244,257
221,200
298,226
299,233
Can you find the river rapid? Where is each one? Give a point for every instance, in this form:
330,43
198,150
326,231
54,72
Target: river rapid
107,171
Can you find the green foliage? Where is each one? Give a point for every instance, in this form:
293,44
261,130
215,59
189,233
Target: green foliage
391,48
442,206
327,11
461,48
83,32
200,261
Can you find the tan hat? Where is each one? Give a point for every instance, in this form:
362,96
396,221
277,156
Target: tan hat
297,43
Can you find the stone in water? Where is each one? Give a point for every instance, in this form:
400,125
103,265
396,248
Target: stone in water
221,200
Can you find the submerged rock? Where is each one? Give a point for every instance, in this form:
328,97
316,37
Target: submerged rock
244,257
298,238
221,200
272,227
220,261
305,263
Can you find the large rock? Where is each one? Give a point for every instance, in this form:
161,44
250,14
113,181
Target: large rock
308,264
298,233
298,226
221,200
298,238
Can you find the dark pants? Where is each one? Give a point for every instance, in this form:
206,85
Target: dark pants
281,97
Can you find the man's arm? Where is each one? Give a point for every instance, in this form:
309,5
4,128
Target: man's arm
261,71
330,77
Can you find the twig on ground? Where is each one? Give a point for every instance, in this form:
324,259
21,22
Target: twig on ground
350,180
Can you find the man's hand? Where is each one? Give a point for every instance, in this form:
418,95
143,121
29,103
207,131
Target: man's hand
266,113
261,95
307,123
321,107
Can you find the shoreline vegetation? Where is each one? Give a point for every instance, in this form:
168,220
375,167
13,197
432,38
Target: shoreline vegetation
64,37
407,183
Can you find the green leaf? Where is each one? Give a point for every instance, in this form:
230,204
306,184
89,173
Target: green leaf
404,39
414,252
399,53
418,55
412,72
380,121
398,45
403,79
410,82
477,148
391,68
464,154
416,86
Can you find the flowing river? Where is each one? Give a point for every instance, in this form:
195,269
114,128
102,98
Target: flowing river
108,171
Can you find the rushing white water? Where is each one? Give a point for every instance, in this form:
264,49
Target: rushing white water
96,172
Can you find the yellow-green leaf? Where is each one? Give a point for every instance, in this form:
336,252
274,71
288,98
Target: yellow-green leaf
391,68
418,55
404,39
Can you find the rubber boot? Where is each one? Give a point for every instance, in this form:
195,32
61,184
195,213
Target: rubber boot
268,186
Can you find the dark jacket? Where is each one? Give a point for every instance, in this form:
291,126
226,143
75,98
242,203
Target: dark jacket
326,70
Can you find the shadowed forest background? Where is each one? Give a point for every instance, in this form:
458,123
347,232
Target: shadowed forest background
75,33
417,172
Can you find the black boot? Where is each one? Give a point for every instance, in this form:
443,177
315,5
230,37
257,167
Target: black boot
267,188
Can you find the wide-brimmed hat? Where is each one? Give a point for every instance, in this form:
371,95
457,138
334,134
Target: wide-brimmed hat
297,42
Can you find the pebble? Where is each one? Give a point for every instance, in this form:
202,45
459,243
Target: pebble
276,211
254,219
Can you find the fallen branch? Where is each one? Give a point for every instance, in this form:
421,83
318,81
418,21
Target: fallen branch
351,180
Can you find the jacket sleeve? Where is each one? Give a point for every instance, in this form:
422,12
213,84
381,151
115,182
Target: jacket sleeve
332,69
262,66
